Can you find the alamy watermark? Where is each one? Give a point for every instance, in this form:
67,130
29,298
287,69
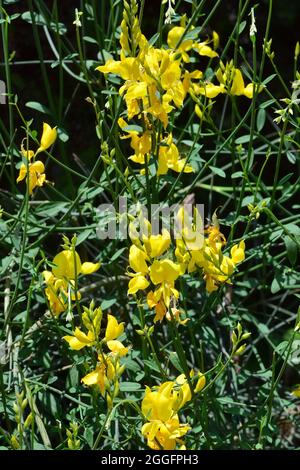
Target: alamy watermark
183,221
2,92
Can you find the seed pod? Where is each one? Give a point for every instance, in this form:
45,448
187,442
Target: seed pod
28,421
14,442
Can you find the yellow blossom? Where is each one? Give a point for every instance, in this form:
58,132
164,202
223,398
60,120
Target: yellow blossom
296,392
80,339
137,262
36,171
164,271
156,245
164,435
169,158
116,347
238,252
160,406
56,293
68,265
113,329
104,371
48,138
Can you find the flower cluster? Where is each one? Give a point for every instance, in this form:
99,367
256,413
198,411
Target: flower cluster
61,281
194,251
147,265
151,261
108,369
36,168
160,407
157,81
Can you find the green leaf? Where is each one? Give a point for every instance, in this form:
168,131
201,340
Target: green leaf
38,107
89,437
83,235
218,171
291,157
263,329
130,386
261,119
105,304
132,127
268,79
175,361
242,26
237,174
277,283
62,134
153,39
89,39
33,17
151,364
291,249
117,254
244,139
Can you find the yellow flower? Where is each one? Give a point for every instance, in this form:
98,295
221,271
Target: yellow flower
68,265
137,283
113,329
238,252
210,90
158,405
216,39
29,154
188,84
193,250
182,392
80,339
175,314
201,382
164,435
112,332
127,68
233,80
48,138
160,408
175,35
37,176
105,371
137,262
56,293
164,271
156,245
173,39
204,50
140,144
154,301
296,392
169,158
117,348
238,85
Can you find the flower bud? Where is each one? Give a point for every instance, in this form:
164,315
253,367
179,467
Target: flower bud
240,350
233,337
109,402
297,50
28,421
16,408
14,442
140,332
245,336
24,403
